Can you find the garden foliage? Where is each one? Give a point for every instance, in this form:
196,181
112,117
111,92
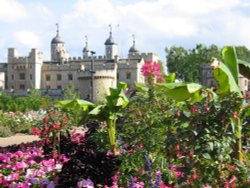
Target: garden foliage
169,134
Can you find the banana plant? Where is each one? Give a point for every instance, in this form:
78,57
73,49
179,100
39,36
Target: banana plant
111,110
227,75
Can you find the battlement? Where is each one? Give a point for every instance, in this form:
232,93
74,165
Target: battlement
79,67
33,57
89,58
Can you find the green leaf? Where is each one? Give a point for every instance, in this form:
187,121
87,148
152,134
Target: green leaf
97,110
181,91
185,125
141,87
211,146
206,156
75,104
122,85
226,80
170,78
230,59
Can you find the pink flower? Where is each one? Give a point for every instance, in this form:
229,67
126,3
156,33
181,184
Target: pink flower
230,183
151,69
19,154
14,176
46,120
22,164
55,155
56,126
138,185
36,131
110,153
160,79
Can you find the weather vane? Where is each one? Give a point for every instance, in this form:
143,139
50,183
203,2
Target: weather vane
86,40
110,27
57,28
133,36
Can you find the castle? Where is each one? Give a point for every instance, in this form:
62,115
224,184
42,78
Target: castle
91,75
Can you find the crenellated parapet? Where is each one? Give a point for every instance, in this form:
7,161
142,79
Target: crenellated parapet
33,57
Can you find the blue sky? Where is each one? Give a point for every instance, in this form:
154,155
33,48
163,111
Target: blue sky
156,24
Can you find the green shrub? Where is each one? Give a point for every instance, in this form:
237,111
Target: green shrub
5,132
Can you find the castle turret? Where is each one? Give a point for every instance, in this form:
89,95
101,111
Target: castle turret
59,53
133,51
86,51
111,47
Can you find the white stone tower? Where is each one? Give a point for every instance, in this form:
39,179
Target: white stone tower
58,51
111,47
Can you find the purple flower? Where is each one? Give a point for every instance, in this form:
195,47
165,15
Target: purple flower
45,181
51,185
85,183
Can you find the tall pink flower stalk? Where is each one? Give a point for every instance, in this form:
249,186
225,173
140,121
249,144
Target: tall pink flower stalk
152,72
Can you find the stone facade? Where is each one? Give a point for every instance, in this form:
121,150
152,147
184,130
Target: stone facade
20,74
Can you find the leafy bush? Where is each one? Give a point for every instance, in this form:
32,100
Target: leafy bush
5,132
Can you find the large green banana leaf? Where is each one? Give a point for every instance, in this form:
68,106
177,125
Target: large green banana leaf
181,91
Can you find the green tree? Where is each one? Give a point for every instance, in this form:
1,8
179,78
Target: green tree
176,60
186,63
243,53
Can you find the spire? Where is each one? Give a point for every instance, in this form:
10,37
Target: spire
133,48
110,32
86,40
57,39
86,49
133,36
110,40
57,29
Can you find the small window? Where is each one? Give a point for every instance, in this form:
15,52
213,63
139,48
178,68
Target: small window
70,77
47,77
22,76
48,87
12,76
246,82
30,76
59,87
22,86
59,77
128,75
117,75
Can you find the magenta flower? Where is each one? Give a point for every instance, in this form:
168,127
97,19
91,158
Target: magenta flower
12,177
19,154
21,164
151,69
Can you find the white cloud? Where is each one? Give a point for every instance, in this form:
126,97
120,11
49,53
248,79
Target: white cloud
41,11
97,13
27,38
11,10
201,7
156,23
